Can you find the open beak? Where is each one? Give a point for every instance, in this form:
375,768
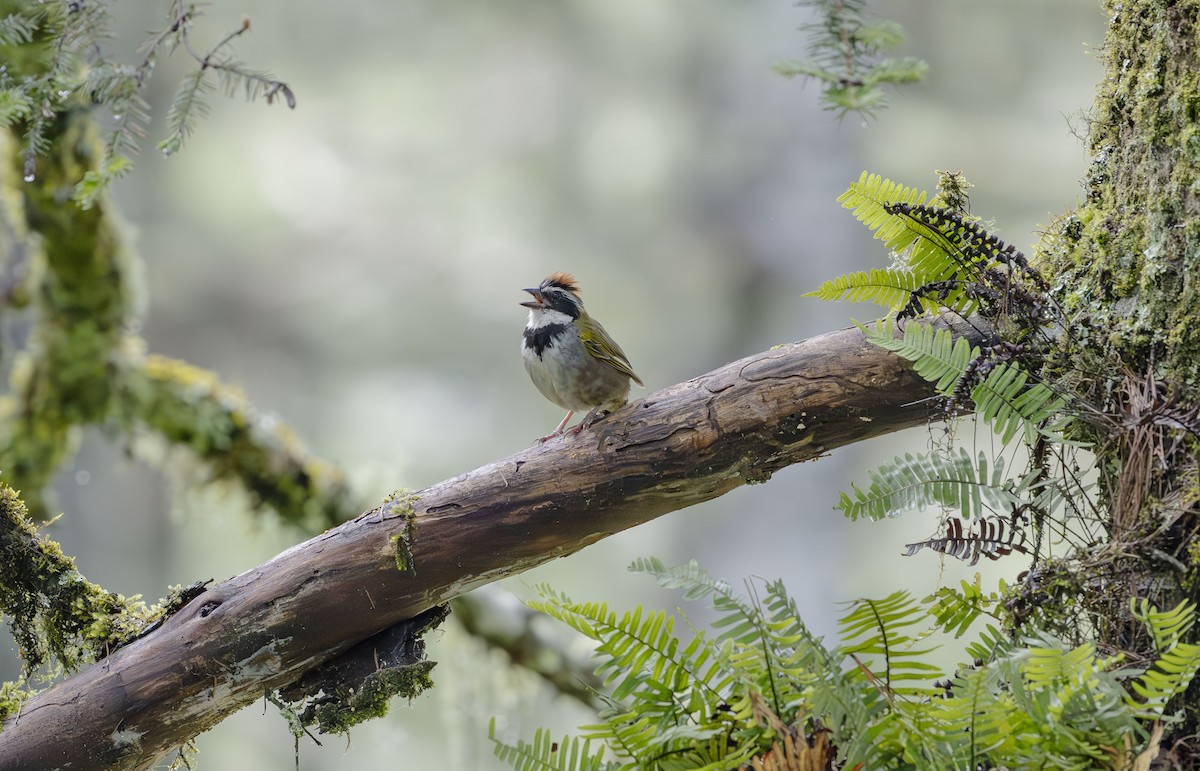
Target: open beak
537,301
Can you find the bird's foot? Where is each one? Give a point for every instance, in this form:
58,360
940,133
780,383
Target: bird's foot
589,420
558,431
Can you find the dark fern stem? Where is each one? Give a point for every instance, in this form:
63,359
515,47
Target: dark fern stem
993,274
990,357
1041,461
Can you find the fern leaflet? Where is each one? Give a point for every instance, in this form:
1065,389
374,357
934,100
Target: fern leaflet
1178,661
890,287
875,631
1172,673
936,355
989,537
868,199
1003,401
914,482
1167,627
641,657
955,610
874,201
543,754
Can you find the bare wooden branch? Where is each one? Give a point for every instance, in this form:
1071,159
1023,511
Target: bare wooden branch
269,626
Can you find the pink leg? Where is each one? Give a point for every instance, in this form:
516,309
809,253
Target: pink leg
558,430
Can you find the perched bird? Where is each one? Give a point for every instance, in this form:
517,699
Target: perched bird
569,356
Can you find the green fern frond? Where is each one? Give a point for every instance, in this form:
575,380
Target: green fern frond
1048,667
15,105
925,252
1003,401
934,352
766,651
692,579
875,632
1178,661
955,610
1167,627
544,754
1170,676
974,723
990,645
953,481
867,198
890,287
953,262
17,30
847,56
639,652
742,622
188,105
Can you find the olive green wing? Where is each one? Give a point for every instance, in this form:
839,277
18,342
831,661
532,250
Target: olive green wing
600,345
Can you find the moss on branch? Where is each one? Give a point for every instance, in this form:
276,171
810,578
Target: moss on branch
190,407
54,612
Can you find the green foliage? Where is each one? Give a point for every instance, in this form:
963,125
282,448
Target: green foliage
945,262
693,705
847,55
955,610
1002,398
16,30
944,259
869,199
760,687
14,106
953,481
682,696
889,287
189,103
57,60
1178,661
935,354
876,634
543,754
991,644
1004,401
1166,627
1041,705
218,69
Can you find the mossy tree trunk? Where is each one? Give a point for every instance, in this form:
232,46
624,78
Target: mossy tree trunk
1126,267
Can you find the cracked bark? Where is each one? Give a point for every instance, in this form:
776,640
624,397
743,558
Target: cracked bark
268,627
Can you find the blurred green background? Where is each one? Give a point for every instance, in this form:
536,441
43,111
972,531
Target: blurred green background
355,267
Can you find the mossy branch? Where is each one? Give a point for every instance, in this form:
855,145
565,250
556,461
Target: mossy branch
56,616
80,302
189,407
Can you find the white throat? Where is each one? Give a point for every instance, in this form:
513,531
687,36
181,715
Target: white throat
544,317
